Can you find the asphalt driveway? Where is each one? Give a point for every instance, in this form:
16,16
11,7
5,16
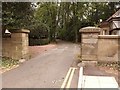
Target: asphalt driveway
48,70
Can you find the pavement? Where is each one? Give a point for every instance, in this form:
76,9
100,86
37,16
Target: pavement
92,77
99,82
47,70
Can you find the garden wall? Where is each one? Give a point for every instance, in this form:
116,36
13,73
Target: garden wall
108,47
16,45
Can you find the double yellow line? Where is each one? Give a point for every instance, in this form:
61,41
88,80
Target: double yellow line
67,81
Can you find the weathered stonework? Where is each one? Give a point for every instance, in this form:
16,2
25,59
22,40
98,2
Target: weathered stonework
108,48
16,46
97,47
89,43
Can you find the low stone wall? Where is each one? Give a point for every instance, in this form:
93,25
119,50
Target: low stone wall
108,48
16,46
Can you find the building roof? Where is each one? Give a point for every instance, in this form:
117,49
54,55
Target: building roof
115,15
104,24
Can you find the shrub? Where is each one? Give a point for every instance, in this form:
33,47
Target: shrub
34,42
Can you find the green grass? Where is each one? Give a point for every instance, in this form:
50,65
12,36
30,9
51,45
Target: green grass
8,62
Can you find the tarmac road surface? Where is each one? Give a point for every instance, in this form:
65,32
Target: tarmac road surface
47,70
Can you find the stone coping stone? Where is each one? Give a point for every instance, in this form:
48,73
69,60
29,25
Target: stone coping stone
108,36
19,31
6,35
90,29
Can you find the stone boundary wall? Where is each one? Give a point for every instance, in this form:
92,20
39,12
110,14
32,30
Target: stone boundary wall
108,48
16,46
96,47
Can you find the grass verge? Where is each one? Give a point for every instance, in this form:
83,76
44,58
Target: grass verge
8,63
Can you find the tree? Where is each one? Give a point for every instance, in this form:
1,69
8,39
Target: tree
47,14
60,19
16,14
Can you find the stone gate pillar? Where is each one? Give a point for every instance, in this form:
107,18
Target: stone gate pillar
16,46
89,44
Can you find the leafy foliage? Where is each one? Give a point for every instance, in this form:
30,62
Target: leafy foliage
16,14
34,42
46,13
56,19
66,19
8,62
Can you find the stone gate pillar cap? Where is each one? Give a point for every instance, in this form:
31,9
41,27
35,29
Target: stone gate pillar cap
19,31
90,29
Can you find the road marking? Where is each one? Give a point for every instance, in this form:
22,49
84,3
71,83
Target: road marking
68,78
